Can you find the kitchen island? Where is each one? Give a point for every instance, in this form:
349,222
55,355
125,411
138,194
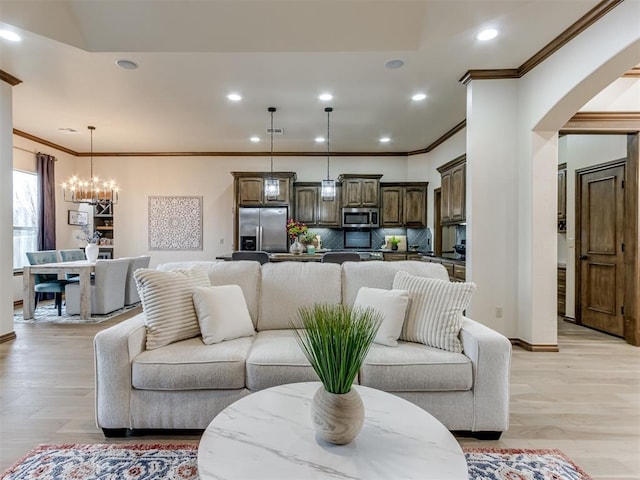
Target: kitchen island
306,257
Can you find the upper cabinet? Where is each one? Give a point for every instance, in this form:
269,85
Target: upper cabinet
453,186
562,197
360,190
249,188
312,210
404,204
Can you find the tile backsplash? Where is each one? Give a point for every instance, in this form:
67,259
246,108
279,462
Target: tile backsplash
333,238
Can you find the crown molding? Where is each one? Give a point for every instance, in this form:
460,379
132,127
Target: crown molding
10,79
633,73
602,122
584,22
42,141
440,140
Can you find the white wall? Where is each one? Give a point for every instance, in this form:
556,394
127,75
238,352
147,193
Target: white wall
622,95
581,151
6,210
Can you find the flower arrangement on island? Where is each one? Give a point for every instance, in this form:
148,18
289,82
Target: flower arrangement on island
295,229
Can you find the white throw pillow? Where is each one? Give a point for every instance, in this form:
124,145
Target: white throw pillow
435,314
392,304
168,304
222,313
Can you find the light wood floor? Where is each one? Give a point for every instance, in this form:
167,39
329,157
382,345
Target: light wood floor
584,400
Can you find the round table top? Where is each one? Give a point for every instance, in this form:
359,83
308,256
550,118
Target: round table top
269,435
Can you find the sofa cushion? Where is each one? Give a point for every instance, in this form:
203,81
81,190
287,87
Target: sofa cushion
192,365
287,286
392,304
356,275
435,314
222,313
168,303
244,274
275,359
413,367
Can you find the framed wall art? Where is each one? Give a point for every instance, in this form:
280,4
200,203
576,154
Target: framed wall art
175,223
76,217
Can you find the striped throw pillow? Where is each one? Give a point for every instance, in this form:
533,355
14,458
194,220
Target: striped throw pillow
435,310
167,300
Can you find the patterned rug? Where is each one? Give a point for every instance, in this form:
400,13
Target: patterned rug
48,313
179,462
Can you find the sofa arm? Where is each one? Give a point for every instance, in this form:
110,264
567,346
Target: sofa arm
114,349
490,354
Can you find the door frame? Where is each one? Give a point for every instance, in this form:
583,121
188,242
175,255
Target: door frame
631,260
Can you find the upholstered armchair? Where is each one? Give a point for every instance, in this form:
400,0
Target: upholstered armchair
107,288
131,295
47,283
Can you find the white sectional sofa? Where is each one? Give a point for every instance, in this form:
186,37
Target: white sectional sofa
183,385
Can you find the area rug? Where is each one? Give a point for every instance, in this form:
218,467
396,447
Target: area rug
48,313
179,462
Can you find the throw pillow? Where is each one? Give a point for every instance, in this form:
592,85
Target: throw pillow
168,304
222,313
435,314
392,304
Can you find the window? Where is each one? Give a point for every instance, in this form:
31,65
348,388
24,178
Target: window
25,216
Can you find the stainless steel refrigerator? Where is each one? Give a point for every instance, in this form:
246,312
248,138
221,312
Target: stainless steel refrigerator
263,228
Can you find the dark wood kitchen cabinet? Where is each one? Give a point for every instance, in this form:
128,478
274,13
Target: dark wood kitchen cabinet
453,191
249,188
310,209
359,190
404,204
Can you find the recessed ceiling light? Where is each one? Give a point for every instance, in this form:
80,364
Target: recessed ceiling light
418,97
234,97
385,139
325,97
319,139
9,35
395,63
487,34
67,130
255,139
126,64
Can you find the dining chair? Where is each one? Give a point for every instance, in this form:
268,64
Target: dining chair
131,294
107,288
47,283
340,257
258,256
72,255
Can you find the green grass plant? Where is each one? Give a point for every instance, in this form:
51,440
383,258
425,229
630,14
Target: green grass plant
336,339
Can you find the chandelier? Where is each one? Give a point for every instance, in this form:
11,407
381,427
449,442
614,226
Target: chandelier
91,191
328,188
272,184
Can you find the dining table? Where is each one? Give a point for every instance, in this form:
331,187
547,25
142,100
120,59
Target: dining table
82,268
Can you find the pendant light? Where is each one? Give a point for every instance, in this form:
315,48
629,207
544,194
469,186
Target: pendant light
271,184
91,191
328,185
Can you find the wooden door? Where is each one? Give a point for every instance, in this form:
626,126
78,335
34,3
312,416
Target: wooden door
415,206
370,192
250,191
283,196
329,210
600,213
445,198
306,200
391,197
352,192
457,199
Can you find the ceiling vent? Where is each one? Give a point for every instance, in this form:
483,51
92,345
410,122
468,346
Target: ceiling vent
276,131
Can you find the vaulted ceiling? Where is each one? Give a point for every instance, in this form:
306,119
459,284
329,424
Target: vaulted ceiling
192,54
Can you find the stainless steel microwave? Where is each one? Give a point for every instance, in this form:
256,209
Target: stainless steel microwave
360,218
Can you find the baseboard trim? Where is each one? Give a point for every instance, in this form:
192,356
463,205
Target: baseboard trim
533,347
17,303
7,337
569,319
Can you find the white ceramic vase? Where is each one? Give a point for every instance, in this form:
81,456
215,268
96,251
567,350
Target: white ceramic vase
91,252
337,417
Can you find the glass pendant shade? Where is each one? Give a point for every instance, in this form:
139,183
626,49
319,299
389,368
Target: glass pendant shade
328,190
271,184
92,191
272,188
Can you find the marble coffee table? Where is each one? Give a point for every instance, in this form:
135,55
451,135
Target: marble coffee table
269,435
